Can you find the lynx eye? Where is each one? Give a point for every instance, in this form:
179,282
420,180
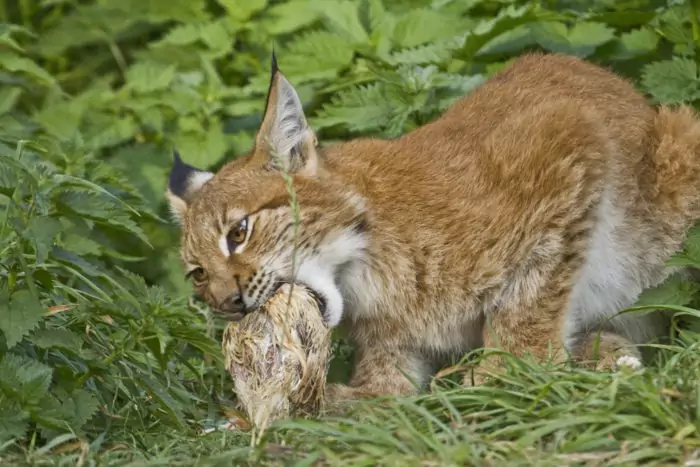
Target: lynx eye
237,234
198,275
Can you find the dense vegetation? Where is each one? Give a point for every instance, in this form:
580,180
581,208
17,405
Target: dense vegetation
103,358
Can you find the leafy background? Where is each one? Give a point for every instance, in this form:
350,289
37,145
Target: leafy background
102,357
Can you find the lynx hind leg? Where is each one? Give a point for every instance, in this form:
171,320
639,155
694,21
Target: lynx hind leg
674,193
529,309
536,328
606,351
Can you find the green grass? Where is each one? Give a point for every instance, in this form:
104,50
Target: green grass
533,414
94,96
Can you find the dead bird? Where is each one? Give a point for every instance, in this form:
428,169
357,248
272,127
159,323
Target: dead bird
279,356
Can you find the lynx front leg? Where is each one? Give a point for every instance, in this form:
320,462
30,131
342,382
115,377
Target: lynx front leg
532,314
604,351
381,372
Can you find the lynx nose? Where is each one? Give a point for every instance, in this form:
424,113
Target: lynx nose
233,304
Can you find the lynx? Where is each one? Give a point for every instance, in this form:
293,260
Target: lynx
525,217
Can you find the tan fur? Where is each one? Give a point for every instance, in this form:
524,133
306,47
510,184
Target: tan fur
535,207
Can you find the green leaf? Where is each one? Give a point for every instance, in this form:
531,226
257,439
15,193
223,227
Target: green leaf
58,338
459,86
672,81
690,255
14,420
581,40
359,108
624,18
438,52
316,55
214,35
18,315
159,393
98,208
6,36
8,98
283,18
75,261
510,42
44,278
374,15
42,231
88,25
183,34
26,379
241,10
65,180
160,11
342,18
16,64
108,131
51,415
13,424
424,26
147,167
14,172
203,148
79,407
373,107
507,19
673,25
242,108
149,76
635,43
585,37
674,291
61,118
80,245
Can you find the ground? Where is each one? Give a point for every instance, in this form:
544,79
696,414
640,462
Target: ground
536,414
102,359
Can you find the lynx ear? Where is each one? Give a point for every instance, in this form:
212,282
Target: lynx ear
285,142
183,183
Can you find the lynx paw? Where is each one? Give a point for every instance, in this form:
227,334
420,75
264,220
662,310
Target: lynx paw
628,361
614,353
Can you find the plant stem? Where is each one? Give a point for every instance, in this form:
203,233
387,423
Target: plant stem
118,57
693,6
28,277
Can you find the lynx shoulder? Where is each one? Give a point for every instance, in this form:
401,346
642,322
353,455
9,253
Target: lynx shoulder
528,214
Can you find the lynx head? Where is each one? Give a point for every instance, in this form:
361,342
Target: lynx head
242,236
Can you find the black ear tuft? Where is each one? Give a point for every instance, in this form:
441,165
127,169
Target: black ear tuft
274,69
179,176
273,63
182,176
183,183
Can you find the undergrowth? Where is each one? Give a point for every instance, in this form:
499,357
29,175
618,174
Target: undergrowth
103,358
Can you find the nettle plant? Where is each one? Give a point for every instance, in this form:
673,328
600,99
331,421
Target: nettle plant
137,78
87,346
84,344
